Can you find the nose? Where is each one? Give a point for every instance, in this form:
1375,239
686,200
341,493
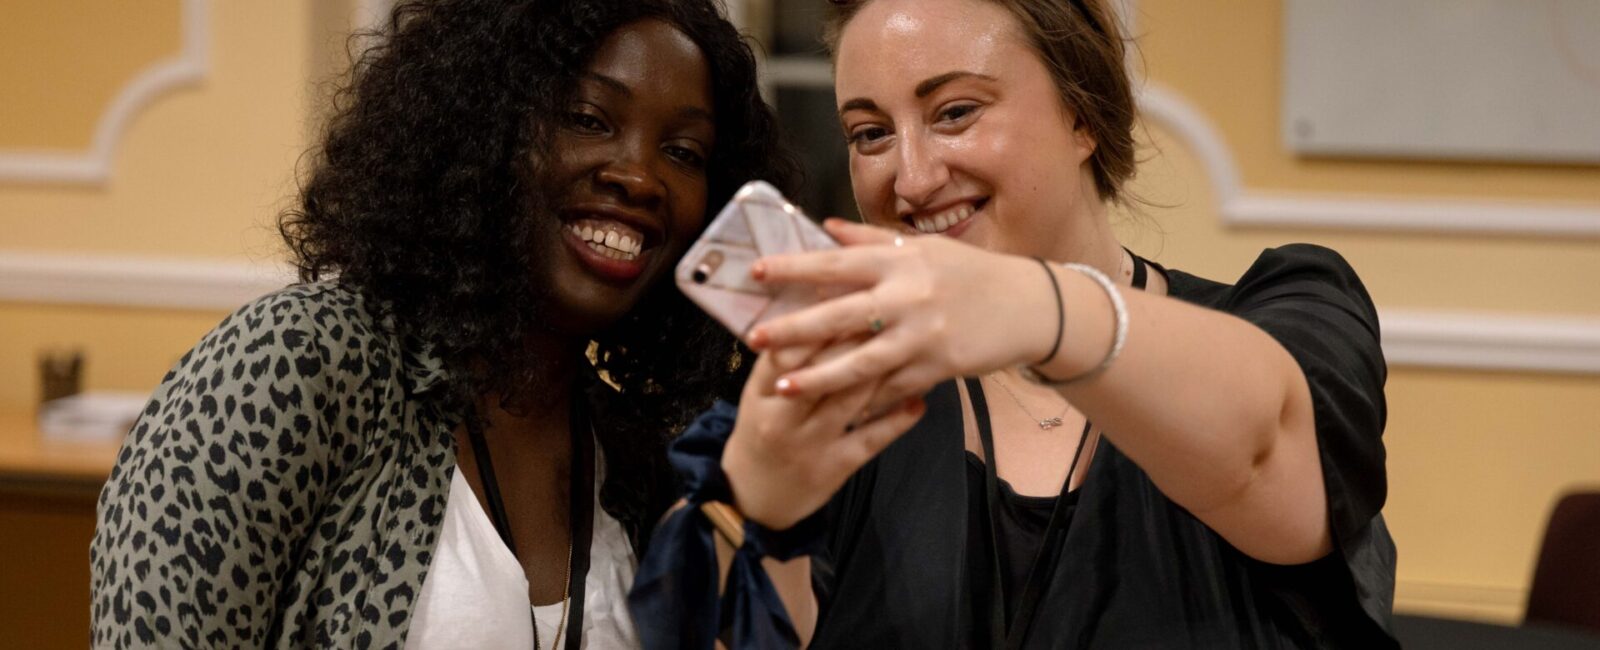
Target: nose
631,178
922,171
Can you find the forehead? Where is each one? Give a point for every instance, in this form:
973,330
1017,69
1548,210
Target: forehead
910,40
653,58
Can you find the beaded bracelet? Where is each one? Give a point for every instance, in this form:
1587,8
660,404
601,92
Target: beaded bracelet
1119,315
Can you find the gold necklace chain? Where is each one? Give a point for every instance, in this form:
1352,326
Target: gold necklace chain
1044,423
566,597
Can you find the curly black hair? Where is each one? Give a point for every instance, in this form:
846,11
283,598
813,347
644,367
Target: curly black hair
427,184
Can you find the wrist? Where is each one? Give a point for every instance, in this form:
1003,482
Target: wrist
1043,313
1096,326
748,498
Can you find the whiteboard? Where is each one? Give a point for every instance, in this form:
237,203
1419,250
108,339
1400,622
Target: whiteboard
1490,80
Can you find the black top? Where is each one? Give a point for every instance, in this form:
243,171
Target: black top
1019,528
1134,569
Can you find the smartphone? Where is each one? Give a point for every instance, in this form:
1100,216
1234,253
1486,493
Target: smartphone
715,273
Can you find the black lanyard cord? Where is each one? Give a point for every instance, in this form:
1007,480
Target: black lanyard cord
581,509
1010,634
1003,633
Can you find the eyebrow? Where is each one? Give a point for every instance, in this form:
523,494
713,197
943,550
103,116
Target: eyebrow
695,113
607,82
922,90
859,103
933,83
686,113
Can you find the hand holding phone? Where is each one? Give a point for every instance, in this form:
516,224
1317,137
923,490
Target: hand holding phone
715,272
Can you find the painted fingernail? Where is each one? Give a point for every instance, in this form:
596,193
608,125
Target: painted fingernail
758,339
758,270
785,386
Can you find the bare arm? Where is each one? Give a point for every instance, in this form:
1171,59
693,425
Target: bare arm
1212,407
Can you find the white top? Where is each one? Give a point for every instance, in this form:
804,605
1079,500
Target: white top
476,595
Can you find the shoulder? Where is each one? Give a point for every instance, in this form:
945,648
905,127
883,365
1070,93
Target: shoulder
297,319
325,309
319,336
1293,273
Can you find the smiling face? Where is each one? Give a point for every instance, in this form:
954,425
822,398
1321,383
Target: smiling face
956,127
629,171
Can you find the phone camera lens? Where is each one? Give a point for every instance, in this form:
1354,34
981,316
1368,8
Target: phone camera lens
701,274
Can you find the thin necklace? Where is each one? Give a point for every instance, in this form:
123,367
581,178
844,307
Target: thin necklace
491,488
1044,423
566,593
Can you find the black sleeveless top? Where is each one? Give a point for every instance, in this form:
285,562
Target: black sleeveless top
900,569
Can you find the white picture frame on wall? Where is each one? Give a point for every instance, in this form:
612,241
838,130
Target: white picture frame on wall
1481,80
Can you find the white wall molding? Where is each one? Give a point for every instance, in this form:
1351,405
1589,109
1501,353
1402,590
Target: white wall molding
1490,341
1412,338
1241,206
89,279
93,167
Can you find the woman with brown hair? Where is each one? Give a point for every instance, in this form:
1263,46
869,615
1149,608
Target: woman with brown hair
1112,453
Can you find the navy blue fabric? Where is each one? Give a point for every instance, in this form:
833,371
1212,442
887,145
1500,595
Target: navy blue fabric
674,598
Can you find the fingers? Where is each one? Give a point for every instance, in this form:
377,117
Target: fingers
792,357
836,413
852,266
874,358
852,315
763,376
913,380
871,438
856,234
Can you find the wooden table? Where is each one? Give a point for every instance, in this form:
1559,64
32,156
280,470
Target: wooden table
47,516
28,461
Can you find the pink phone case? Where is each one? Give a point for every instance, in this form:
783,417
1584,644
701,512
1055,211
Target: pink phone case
715,273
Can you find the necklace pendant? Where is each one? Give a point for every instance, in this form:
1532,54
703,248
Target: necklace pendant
1050,423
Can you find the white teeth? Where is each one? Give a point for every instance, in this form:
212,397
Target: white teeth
610,239
611,253
942,221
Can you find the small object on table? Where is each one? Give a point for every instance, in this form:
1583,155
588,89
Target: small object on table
92,416
60,375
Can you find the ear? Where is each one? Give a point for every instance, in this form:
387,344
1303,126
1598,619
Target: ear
1083,139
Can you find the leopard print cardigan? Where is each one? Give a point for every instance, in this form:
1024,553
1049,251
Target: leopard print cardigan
284,487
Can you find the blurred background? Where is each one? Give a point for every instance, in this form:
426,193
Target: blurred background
1450,150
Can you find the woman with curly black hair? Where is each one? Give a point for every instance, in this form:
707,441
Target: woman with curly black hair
409,448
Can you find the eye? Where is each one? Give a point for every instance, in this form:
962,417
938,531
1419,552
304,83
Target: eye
585,122
955,112
865,137
686,155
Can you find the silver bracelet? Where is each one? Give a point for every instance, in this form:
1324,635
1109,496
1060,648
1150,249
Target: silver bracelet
1119,315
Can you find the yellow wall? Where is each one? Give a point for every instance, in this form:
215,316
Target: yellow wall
63,61
1476,459
199,173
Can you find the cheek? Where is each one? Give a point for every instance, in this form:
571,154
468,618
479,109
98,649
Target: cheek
688,215
1015,162
872,182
